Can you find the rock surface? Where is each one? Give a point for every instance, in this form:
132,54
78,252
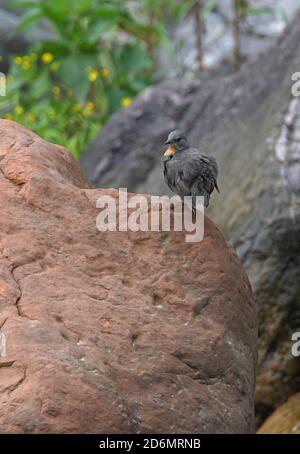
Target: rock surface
117,332
257,32
285,420
250,123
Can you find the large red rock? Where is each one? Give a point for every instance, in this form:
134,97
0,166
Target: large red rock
113,332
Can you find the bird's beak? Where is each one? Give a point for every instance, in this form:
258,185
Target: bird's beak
167,142
170,150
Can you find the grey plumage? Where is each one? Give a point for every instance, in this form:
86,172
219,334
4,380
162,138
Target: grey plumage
186,171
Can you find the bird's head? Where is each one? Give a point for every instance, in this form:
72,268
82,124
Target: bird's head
176,141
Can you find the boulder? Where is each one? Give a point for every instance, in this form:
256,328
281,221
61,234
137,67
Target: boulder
113,332
250,122
285,420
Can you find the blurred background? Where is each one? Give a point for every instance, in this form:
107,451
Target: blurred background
71,65
109,79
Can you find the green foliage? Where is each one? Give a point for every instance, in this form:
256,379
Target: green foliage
99,58
67,87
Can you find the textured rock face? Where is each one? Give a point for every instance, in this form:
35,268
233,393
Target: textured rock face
113,332
285,420
257,33
250,123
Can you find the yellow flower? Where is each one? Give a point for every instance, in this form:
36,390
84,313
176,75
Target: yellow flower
19,110
104,72
47,58
18,60
93,75
89,106
54,66
56,90
77,107
26,65
30,117
126,102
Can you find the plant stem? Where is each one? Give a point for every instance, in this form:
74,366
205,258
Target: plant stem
199,22
237,34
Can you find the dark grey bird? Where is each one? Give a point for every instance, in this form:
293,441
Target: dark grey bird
186,171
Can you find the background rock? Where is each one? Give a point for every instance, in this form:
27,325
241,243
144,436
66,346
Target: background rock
285,420
250,122
113,332
257,32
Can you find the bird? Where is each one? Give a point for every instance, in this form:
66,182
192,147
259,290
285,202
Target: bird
187,172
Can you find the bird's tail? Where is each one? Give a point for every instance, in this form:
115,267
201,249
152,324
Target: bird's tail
206,200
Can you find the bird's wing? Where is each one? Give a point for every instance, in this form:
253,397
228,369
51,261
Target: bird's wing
214,168
199,171
212,163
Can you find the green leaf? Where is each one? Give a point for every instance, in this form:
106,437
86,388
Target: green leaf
108,10
141,31
133,58
14,85
82,6
57,9
29,18
73,74
57,15
115,95
58,49
139,84
101,26
41,85
105,17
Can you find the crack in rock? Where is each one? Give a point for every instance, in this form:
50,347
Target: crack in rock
16,385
